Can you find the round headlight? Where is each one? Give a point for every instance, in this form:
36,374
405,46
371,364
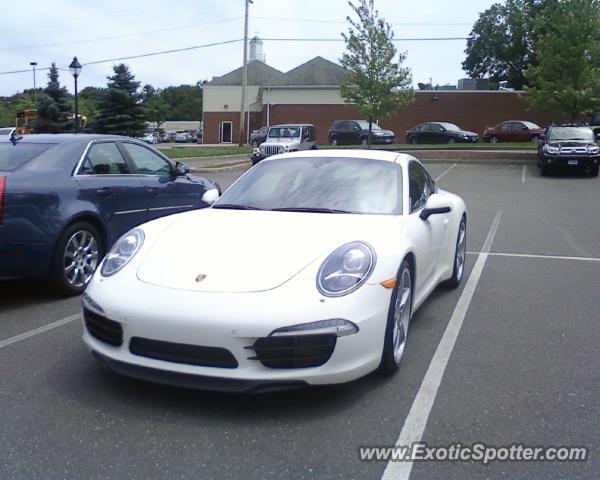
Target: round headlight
122,251
346,269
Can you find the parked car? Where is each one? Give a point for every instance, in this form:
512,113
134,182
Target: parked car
6,132
356,132
258,136
570,147
65,199
149,137
286,138
289,309
182,136
595,123
439,132
513,131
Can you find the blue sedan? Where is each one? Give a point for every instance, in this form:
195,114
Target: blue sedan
65,199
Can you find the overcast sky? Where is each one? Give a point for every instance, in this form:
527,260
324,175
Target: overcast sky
57,30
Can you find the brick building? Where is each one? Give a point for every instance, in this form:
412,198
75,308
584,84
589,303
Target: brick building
310,93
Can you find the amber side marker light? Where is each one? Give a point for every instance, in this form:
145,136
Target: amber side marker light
391,283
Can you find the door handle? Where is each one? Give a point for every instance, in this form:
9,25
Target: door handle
104,192
153,191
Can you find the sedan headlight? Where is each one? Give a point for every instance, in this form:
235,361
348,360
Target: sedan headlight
551,150
122,251
346,269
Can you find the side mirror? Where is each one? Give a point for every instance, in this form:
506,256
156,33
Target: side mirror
210,196
436,204
181,168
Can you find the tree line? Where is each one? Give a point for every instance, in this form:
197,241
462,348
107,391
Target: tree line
122,107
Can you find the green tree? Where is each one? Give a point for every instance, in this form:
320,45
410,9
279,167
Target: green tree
184,102
502,43
89,104
156,109
9,106
567,76
120,109
376,85
54,107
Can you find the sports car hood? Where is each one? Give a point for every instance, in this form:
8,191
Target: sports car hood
214,250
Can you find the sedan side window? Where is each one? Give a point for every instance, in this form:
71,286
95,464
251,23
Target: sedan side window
420,186
146,161
104,159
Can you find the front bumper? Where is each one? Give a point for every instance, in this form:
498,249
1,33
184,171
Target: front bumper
375,140
257,157
570,161
235,322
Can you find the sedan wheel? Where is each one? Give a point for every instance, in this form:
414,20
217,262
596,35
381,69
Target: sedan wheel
364,141
451,140
413,140
334,141
77,256
460,256
398,321
494,140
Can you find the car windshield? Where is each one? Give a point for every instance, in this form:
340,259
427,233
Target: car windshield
571,133
283,132
330,185
365,125
531,125
450,127
15,156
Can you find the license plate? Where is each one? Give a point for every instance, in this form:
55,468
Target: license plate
388,140
573,162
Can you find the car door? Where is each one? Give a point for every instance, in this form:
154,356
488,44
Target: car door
105,180
429,234
166,192
425,134
437,133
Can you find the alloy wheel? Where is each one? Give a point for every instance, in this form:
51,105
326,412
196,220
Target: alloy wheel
80,258
402,312
461,250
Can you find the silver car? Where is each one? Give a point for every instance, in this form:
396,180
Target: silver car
286,138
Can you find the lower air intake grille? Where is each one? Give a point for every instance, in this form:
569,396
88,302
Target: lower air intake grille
182,353
294,351
103,329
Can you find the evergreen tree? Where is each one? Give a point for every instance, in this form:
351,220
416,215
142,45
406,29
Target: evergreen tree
567,76
54,107
376,85
120,108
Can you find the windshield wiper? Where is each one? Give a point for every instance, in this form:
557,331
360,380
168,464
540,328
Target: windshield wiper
233,206
309,209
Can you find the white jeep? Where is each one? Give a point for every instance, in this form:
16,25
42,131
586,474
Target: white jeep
286,138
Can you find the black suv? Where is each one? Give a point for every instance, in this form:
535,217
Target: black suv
569,147
258,136
356,132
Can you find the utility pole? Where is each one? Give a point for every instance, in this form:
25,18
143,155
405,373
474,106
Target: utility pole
33,64
244,79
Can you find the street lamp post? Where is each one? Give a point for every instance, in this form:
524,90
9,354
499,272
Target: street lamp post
75,68
33,65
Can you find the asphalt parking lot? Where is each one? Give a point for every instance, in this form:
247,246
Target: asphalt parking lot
518,363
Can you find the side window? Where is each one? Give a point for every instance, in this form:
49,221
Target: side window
420,186
146,161
104,159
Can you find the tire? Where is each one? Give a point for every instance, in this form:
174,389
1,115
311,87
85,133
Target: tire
364,141
460,256
593,171
399,316
494,140
334,140
451,140
534,138
413,140
73,282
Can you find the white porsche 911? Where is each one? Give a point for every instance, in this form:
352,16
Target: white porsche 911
306,271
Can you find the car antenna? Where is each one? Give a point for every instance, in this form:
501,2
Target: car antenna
14,139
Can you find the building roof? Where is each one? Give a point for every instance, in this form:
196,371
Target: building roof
259,73
317,71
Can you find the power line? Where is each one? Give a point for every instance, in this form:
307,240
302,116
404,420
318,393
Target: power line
116,37
345,22
420,39
163,52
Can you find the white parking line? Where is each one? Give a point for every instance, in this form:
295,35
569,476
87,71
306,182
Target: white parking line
532,255
439,177
37,331
523,174
416,420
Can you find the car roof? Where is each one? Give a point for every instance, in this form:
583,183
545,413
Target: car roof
293,125
65,138
382,155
